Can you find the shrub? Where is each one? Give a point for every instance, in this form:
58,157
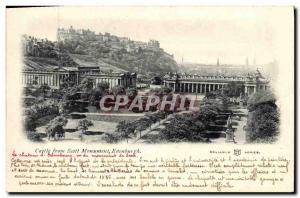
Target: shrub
263,119
112,137
34,136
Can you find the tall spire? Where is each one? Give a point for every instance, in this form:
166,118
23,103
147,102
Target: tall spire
218,62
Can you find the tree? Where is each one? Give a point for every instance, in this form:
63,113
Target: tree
55,127
151,118
208,112
71,93
44,89
261,96
216,100
234,89
84,124
131,92
29,123
112,137
142,124
210,95
80,50
125,128
63,107
85,88
29,127
140,50
214,94
160,115
156,80
184,127
263,119
66,84
225,102
27,91
39,110
86,84
98,93
161,91
118,90
103,85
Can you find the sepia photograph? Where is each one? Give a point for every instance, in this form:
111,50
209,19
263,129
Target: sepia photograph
150,99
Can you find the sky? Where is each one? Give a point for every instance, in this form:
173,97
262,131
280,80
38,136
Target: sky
194,34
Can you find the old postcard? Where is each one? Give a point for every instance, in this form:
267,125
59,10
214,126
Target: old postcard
150,99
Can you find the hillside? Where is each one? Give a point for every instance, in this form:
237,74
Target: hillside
108,55
141,61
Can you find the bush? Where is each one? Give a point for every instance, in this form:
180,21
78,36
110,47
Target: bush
84,124
112,137
33,136
260,97
184,127
234,89
29,124
263,119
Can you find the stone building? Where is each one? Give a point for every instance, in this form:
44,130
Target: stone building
116,41
32,46
154,43
55,76
114,79
195,83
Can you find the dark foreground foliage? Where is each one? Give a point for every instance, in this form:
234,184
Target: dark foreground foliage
263,119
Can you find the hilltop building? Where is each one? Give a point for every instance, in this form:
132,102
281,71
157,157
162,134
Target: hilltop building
32,46
115,41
